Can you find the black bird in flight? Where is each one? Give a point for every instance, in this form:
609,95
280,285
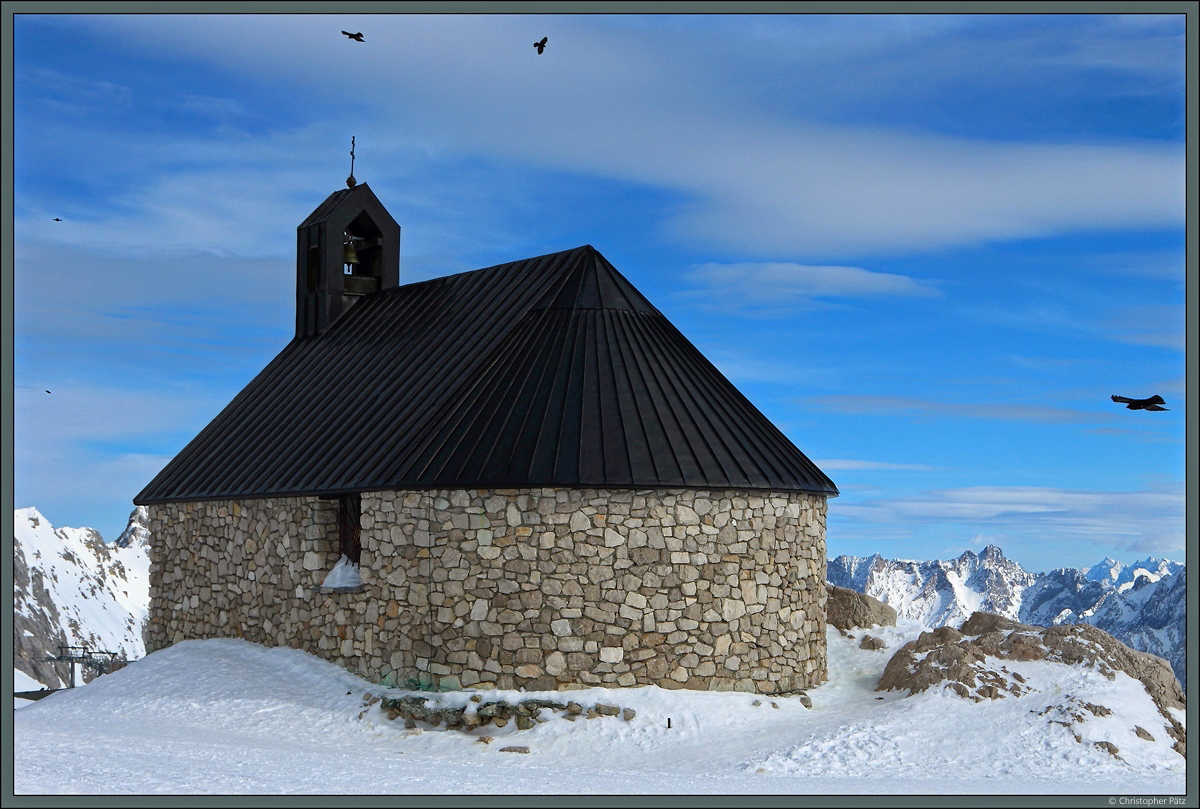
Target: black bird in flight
541,46
1155,402
356,37
49,392
56,219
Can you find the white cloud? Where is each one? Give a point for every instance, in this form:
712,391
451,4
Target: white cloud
1150,518
775,286
608,100
983,540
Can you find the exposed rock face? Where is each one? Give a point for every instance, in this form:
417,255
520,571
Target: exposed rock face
846,609
137,532
960,658
36,632
540,589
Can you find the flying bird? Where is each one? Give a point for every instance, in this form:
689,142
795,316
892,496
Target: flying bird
356,37
50,393
56,219
541,46
1155,402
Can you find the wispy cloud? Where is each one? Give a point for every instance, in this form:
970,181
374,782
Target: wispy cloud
82,414
77,427
744,367
911,406
1162,326
774,182
773,287
73,94
1051,364
1134,520
1163,265
214,107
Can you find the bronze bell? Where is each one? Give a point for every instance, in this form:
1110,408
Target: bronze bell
349,254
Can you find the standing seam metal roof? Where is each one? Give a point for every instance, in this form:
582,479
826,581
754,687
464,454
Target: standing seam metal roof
552,371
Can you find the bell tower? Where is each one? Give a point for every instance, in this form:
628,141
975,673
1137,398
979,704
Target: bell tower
347,248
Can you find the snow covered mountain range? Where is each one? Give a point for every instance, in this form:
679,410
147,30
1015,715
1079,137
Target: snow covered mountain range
1143,605
71,588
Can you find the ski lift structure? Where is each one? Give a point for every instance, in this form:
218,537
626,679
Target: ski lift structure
98,660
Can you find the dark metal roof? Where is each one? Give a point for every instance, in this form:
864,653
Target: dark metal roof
552,371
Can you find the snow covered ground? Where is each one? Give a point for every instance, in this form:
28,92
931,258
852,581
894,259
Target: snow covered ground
23,682
230,717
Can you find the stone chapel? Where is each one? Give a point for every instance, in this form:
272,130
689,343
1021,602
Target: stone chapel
518,477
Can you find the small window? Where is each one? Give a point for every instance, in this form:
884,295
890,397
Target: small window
350,525
345,574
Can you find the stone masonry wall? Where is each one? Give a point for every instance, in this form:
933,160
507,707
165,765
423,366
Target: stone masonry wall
539,589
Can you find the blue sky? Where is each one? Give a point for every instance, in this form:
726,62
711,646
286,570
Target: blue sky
927,247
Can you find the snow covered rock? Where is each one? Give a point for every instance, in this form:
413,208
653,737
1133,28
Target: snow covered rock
137,532
967,661
846,609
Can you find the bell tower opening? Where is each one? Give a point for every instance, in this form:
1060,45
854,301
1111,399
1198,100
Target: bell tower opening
362,256
348,248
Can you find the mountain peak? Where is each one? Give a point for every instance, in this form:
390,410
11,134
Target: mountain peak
1107,570
137,531
29,515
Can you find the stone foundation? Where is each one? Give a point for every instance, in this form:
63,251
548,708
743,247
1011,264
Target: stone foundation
539,589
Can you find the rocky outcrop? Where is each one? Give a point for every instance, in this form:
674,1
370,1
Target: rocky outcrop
477,713
846,609
967,661
36,633
137,532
